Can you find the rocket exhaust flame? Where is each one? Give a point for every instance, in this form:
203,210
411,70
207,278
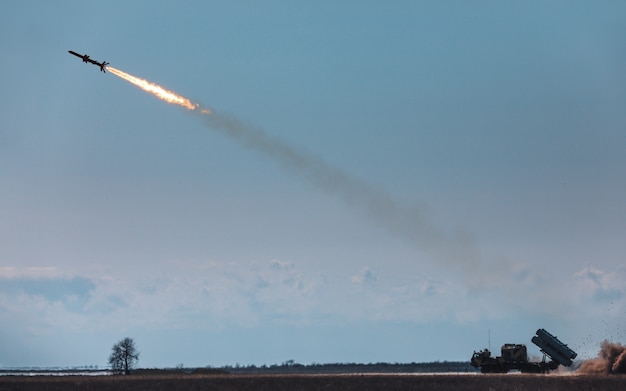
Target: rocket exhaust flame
158,91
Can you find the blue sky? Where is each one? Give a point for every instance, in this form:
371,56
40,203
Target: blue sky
473,178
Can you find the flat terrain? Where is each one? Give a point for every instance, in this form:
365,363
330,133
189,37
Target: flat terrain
317,382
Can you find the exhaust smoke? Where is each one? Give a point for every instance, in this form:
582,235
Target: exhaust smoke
611,360
401,220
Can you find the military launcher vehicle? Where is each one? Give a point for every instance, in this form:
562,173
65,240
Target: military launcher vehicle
515,356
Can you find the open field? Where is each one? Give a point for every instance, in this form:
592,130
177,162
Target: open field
317,382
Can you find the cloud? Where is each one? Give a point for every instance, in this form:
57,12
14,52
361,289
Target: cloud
602,285
40,300
52,289
208,295
365,276
47,284
205,295
213,295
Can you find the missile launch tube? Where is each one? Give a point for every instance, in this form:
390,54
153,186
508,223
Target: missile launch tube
550,351
557,345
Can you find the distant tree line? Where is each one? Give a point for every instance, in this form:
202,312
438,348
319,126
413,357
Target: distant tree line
124,357
293,367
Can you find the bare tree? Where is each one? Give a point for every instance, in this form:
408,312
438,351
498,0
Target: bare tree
124,356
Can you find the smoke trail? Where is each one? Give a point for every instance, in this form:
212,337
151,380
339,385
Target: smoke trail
611,360
454,249
402,220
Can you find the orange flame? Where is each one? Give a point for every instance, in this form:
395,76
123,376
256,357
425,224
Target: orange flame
158,91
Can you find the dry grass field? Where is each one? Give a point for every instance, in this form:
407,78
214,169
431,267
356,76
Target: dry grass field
510,382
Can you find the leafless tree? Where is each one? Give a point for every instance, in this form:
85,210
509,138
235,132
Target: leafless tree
124,356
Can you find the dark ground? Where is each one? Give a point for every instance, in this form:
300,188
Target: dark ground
317,382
